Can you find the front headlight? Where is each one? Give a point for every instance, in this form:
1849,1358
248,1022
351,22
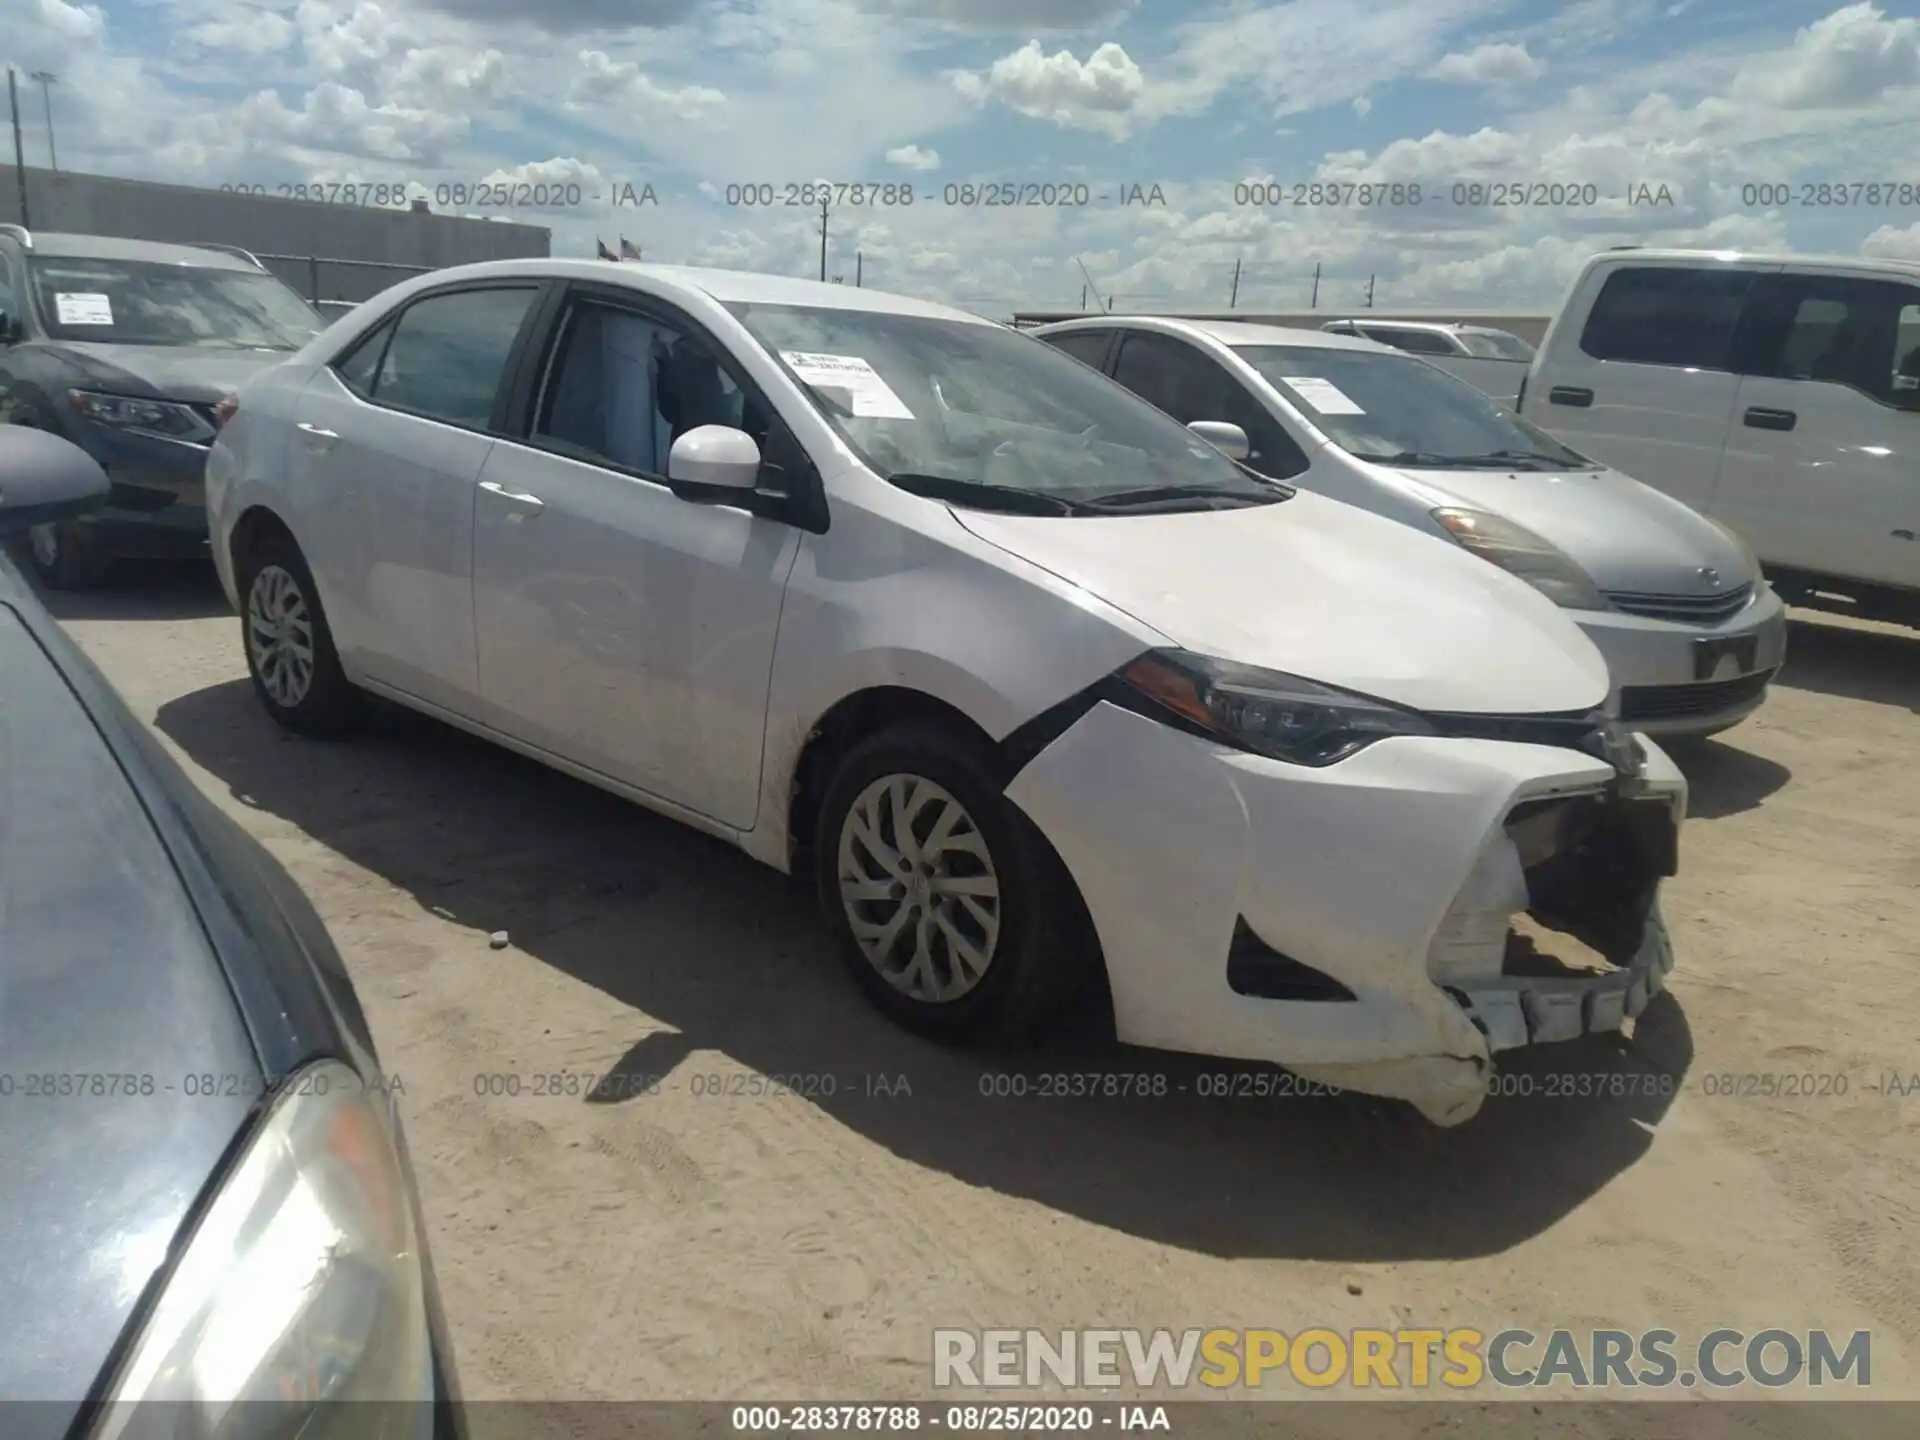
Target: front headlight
1280,716
1520,552
168,419
301,1286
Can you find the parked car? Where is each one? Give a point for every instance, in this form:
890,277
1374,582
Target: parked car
1026,676
1490,360
1689,627
1777,393
124,347
206,1188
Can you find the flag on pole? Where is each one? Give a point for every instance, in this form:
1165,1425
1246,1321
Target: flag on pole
605,253
628,250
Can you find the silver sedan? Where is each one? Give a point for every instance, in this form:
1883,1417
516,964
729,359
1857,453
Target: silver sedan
1691,631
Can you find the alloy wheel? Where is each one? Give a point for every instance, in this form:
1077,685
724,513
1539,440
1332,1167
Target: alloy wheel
919,888
46,546
280,636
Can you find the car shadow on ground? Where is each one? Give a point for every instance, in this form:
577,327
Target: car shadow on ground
139,590
1723,779
1853,661
1219,1158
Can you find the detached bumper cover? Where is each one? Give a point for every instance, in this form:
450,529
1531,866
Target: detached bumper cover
1397,873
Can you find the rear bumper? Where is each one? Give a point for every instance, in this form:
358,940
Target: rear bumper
1392,874
1656,666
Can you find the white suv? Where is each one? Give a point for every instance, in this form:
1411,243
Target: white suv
1026,676
1778,394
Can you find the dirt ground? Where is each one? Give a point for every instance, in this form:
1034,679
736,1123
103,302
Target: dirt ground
692,1239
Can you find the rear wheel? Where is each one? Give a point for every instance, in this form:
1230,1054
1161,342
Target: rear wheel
296,671
951,911
67,557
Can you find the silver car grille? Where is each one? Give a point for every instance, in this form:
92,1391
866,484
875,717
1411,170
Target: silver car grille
1685,609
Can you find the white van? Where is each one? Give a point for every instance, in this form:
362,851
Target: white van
1778,394
1493,361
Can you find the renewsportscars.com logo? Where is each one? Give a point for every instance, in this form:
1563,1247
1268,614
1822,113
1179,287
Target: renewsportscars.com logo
1457,1359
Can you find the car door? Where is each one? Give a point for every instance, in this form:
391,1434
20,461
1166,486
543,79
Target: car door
386,449
1649,386
1190,385
1822,466
619,626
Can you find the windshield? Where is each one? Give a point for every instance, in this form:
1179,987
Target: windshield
950,401
144,302
1399,410
1495,345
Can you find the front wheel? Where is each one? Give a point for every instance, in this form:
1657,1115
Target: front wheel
296,671
951,910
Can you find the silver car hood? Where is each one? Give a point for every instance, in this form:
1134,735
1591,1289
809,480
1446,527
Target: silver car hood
1626,535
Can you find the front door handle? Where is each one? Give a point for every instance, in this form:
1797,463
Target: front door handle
514,497
1570,395
319,434
1762,418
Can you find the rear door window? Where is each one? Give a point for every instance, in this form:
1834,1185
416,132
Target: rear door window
1836,329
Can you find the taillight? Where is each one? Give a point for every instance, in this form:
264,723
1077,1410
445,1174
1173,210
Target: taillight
224,411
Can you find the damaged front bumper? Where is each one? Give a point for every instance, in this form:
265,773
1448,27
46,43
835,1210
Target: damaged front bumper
1386,924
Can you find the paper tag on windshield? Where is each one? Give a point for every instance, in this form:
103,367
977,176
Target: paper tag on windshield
83,308
873,398
1323,395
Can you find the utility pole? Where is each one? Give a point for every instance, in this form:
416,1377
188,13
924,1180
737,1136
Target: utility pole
1083,299
19,151
823,239
1315,305
1369,292
859,268
46,79
1233,297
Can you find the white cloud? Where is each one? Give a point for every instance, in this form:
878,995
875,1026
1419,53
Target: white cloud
445,70
912,157
1895,243
1098,93
1487,65
1849,58
1362,106
605,82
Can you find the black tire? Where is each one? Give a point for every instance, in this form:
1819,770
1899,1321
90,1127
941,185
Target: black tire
329,703
1044,953
67,556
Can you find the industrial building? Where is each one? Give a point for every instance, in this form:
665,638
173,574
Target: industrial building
328,252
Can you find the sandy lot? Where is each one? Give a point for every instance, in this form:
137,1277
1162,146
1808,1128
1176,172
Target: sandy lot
690,1238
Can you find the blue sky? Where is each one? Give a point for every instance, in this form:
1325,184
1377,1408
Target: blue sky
1595,98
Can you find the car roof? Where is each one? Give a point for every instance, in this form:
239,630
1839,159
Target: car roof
62,246
729,287
1881,264
1232,333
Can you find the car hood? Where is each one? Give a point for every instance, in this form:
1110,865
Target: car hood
175,372
1626,535
1325,591
128,1069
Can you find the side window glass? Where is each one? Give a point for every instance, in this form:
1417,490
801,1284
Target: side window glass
1906,369
356,368
1864,334
1087,346
1191,386
1270,450
10,296
1384,337
1667,315
1145,367
1419,342
449,352
623,387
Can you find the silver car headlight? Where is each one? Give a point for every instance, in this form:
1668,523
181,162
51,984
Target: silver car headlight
164,419
301,1287
1520,552
1269,713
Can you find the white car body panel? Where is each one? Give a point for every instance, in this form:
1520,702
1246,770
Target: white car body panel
683,655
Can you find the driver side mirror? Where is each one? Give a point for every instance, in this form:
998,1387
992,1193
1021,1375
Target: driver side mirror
715,464
44,478
1225,437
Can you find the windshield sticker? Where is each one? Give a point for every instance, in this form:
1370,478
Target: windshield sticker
1323,395
83,308
870,396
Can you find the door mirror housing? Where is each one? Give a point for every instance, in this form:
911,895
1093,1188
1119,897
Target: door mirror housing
44,478
714,462
1224,436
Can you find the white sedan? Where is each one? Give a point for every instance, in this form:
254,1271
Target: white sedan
1033,680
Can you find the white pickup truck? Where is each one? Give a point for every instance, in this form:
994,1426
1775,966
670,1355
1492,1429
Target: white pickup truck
1778,394
1492,361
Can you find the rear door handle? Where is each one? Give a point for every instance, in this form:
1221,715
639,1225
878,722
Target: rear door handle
514,497
1759,417
1569,395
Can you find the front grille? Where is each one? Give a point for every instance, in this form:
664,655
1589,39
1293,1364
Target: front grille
1684,609
1679,702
